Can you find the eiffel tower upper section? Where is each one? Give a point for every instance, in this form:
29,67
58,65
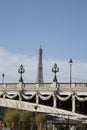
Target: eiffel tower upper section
40,67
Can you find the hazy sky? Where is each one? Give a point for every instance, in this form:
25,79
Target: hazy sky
59,26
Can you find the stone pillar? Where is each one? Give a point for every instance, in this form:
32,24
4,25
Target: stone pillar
54,101
73,128
4,92
20,87
54,84
12,126
37,98
73,102
53,127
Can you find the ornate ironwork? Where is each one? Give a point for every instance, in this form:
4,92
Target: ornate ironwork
55,69
21,70
70,61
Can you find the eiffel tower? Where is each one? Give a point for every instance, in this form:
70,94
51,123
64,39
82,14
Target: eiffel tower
40,67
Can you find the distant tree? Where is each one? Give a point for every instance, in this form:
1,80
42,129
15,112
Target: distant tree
12,118
23,119
39,120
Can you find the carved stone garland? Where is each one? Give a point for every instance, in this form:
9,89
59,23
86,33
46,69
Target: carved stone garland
26,97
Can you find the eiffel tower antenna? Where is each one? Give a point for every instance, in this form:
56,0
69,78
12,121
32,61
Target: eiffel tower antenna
40,67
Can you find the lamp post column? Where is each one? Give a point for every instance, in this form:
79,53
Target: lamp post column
21,70
73,93
70,63
3,75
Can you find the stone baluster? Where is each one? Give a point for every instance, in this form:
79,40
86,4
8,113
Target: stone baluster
54,100
37,97
73,102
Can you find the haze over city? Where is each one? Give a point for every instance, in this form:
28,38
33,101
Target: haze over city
60,27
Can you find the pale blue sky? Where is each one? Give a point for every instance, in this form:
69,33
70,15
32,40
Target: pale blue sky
60,26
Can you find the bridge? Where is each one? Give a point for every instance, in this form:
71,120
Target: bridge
61,100
28,96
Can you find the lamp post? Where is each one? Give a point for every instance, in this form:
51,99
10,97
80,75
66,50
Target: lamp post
70,63
3,75
73,95
21,70
55,69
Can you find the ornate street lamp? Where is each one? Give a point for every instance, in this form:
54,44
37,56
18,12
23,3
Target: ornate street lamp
21,70
55,69
70,63
3,75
